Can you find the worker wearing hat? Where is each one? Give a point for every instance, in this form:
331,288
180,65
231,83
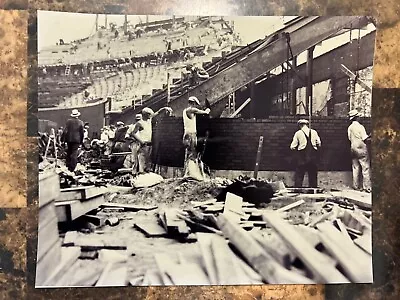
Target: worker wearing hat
359,152
306,143
73,135
142,133
131,161
190,129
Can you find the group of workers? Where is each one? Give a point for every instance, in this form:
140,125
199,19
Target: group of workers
306,143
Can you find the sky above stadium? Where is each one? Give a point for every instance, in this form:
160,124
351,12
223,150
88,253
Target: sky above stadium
53,26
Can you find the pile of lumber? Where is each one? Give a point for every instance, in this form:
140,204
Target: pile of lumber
335,248
52,259
76,201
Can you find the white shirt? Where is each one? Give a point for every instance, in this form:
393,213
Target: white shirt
299,141
130,130
189,125
356,132
146,132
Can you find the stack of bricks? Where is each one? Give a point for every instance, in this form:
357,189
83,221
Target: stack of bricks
233,142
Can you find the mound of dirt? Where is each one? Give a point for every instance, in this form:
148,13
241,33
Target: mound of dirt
176,192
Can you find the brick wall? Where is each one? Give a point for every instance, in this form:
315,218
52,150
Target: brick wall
233,142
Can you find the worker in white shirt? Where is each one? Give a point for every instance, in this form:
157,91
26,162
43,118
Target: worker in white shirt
189,126
306,143
142,132
359,152
131,161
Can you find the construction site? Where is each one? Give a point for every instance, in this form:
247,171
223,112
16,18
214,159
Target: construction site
228,204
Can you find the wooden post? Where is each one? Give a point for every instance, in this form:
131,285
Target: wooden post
168,88
258,158
293,94
253,102
97,22
105,21
309,92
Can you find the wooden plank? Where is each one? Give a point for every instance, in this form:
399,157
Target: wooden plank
113,275
313,259
70,238
274,245
47,237
187,274
68,256
290,206
70,210
226,273
365,243
46,265
46,214
343,230
81,193
204,242
355,262
233,207
175,225
200,203
214,208
151,228
129,207
163,262
97,242
49,187
355,221
359,198
271,271
152,278
258,156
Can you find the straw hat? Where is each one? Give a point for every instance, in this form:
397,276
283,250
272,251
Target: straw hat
353,113
75,113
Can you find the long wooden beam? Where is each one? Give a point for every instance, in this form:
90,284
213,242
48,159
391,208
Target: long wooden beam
266,59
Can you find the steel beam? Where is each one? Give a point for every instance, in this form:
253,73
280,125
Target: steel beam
274,54
327,65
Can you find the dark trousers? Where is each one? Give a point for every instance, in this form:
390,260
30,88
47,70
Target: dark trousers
311,169
72,156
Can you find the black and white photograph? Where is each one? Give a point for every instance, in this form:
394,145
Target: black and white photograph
204,150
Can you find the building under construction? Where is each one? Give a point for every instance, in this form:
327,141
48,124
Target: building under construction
247,223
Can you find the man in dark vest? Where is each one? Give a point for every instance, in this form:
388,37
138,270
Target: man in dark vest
73,136
306,143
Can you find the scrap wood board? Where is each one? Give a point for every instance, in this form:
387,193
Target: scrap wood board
45,265
355,262
359,198
151,228
49,187
204,242
68,256
47,237
113,275
94,241
68,211
313,259
133,207
81,193
233,207
187,274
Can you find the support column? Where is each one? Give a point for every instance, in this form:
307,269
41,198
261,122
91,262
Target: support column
105,21
252,88
126,25
309,93
293,94
97,22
